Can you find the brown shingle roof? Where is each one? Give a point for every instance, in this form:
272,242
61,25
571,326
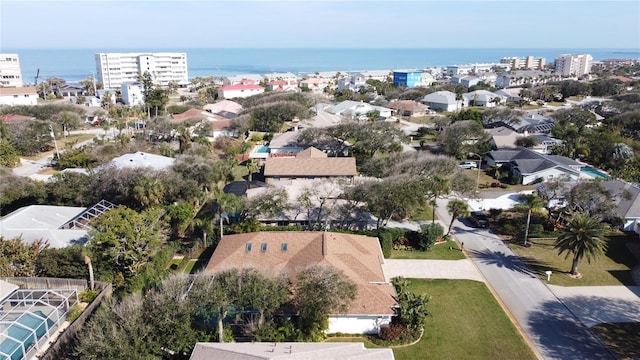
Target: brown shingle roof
311,152
358,257
18,90
310,166
195,114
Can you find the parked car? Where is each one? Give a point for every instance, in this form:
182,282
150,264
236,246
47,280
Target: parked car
479,219
468,165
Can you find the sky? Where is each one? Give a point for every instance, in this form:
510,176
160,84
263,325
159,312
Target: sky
120,24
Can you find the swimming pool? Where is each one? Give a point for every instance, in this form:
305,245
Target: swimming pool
261,149
594,173
27,329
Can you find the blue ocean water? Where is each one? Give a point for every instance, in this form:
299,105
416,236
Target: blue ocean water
76,64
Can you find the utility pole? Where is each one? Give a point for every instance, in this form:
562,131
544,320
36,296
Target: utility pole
53,135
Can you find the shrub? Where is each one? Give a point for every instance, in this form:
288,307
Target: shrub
393,332
74,313
87,296
504,186
429,234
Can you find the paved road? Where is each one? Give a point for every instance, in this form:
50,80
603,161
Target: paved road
547,322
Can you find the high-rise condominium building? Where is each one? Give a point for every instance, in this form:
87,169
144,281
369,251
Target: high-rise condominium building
115,69
10,72
529,62
567,64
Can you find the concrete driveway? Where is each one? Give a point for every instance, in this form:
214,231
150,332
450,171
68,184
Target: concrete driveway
431,269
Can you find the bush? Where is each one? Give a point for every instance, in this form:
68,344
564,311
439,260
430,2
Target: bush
393,332
429,234
87,296
504,186
74,313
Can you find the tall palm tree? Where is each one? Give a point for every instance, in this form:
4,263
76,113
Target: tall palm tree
437,186
583,236
457,208
226,203
252,167
528,203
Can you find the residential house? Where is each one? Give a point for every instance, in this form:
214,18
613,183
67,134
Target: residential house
502,137
427,79
356,256
544,143
530,166
142,160
315,84
9,118
483,98
242,79
627,199
472,68
466,80
323,209
443,100
44,222
380,75
18,96
283,86
242,90
408,108
132,94
288,76
357,109
285,143
221,127
310,164
101,93
521,77
226,108
68,90
512,95
532,124
352,83
289,351
195,114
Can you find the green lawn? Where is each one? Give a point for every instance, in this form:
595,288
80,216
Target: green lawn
621,338
465,322
194,266
424,213
438,252
613,268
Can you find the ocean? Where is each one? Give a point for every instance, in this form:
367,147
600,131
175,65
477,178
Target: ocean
75,65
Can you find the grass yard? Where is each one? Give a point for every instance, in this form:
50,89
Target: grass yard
465,322
438,252
613,268
424,213
194,266
621,338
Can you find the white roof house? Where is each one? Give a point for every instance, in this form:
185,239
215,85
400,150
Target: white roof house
43,222
288,351
142,159
357,108
443,100
482,98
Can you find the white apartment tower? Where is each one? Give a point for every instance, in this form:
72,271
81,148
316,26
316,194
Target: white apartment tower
10,72
577,65
116,69
529,62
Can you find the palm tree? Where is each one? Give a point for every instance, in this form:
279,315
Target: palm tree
583,236
457,208
437,186
226,203
252,167
529,202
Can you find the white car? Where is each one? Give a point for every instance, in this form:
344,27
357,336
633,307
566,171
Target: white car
468,165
